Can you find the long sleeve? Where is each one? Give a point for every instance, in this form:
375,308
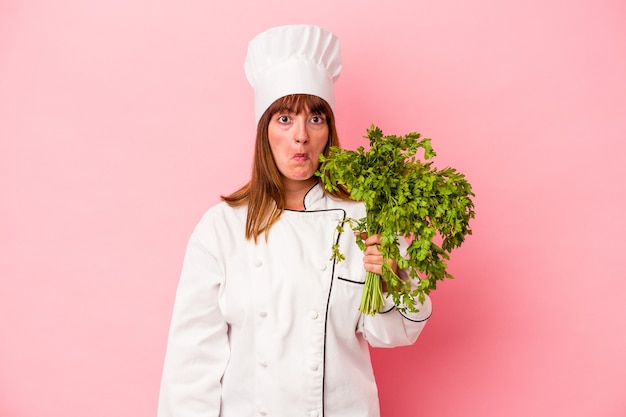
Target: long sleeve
390,327
198,349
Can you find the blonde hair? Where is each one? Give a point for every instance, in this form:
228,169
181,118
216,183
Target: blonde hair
264,194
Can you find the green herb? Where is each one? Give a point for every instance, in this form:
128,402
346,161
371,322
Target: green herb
404,198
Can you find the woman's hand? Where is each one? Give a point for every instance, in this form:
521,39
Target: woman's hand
373,258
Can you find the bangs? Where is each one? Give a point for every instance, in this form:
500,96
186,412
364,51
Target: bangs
296,103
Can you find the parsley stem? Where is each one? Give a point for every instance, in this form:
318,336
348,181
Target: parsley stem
372,300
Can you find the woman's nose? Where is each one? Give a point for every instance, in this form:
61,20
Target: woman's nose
302,136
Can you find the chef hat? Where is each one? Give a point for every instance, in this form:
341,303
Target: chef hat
294,59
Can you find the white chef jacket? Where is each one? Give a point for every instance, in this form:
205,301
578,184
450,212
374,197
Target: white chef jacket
272,328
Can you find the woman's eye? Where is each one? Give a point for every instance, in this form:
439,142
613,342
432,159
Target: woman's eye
283,119
317,119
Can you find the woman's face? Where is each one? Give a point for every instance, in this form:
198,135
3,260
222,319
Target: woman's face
296,141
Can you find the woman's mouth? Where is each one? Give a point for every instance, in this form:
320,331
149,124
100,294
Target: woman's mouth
300,157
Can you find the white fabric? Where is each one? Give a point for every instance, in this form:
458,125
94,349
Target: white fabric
294,59
273,328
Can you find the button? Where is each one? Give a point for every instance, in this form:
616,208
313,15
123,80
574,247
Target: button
258,263
313,314
263,412
314,413
263,364
262,314
324,266
313,364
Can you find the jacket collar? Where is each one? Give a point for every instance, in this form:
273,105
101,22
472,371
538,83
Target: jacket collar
314,198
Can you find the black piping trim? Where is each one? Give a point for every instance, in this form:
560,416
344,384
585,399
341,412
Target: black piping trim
307,193
387,311
409,319
416,321
304,202
352,281
330,290
316,211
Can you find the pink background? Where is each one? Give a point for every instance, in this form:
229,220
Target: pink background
122,121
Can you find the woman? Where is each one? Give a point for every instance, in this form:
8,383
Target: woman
264,322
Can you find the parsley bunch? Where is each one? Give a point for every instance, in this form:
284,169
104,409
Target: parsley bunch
404,198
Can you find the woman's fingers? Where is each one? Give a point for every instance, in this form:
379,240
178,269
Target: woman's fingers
372,258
